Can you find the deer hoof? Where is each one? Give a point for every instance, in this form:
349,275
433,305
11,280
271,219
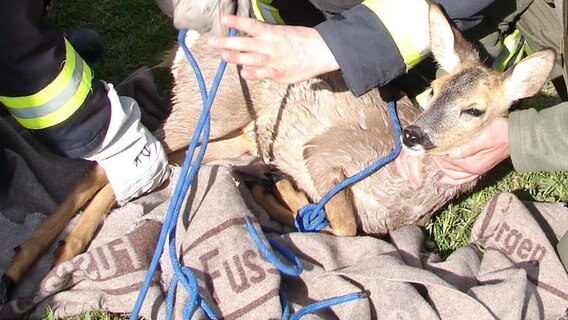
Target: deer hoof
6,287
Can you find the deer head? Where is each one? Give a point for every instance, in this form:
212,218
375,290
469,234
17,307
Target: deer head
471,95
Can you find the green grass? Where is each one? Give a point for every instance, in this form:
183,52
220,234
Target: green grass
95,315
136,34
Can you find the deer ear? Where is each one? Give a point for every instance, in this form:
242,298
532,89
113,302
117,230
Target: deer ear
527,77
447,44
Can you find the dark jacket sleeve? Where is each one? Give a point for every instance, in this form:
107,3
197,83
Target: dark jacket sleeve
366,50
33,55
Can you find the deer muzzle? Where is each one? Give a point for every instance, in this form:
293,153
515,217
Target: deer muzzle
417,139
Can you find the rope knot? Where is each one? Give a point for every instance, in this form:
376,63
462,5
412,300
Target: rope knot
310,218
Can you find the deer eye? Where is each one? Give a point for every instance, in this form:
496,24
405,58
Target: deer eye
472,111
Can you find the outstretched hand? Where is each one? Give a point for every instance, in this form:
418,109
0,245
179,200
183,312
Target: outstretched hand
483,152
286,54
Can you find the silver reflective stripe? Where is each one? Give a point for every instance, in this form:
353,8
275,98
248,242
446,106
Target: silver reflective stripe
53,104
267,13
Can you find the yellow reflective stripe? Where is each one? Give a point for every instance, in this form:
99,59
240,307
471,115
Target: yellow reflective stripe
509,46
422,98
50,91
408,28
55,103
67,109
528,50
266,13
515,47
58,100
257,11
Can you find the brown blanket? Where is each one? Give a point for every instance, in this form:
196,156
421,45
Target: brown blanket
509,271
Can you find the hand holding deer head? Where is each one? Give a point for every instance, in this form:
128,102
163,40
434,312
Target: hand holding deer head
463,107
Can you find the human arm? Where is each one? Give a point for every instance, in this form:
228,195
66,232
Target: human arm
372,43
51,91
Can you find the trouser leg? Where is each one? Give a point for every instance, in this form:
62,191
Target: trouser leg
542,26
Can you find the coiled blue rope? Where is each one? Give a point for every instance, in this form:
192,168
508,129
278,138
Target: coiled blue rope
184,275
311,217
187,174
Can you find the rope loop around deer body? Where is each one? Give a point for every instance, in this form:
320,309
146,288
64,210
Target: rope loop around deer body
311,217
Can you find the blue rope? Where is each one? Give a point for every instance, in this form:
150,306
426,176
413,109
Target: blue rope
316,306
297,267
188,172
184,275
327,303
311,217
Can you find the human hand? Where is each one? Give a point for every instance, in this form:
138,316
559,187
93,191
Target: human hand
483,152
134,161
410,167
286,54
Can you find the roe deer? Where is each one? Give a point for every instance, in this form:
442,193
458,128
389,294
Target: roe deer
317,134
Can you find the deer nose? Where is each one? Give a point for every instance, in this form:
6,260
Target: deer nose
414,136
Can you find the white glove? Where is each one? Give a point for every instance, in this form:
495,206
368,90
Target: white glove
133,159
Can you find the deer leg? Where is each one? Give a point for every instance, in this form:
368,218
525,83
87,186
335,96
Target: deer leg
28,252
229,148
217,149
339,210
87,224
288,194
341,215
282,201
267,200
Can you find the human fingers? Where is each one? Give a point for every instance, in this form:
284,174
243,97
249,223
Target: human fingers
457,181
411,168
478,164
263,73
415,170
454,175
495,135
400,167
245,59
446,162
468,149
248,25
244,44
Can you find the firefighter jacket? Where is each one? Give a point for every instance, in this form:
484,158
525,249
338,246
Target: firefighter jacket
374,41
46,85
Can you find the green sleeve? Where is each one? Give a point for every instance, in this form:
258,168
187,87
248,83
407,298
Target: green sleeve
537,140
